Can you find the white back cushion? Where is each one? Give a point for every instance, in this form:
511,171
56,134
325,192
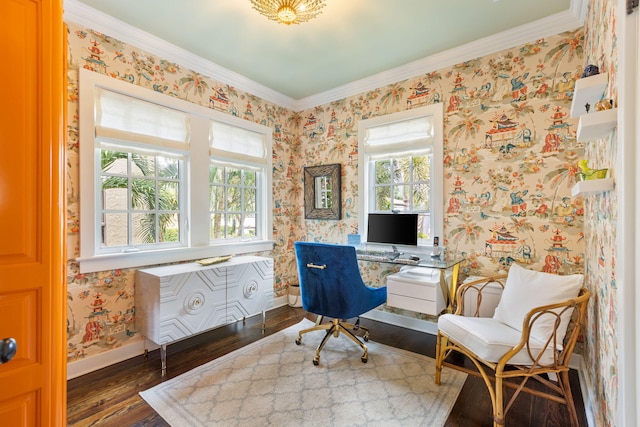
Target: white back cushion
526,289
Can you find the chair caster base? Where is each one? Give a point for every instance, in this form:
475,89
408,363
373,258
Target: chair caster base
364,359
316,362
298,341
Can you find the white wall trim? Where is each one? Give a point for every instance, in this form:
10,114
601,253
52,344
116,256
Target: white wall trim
585,388
628,207
77,12
107,358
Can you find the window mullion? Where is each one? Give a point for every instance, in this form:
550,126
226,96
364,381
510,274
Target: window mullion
197,190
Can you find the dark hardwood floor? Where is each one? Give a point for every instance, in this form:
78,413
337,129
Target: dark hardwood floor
109,397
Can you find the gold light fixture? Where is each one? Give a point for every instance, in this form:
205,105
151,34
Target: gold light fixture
289,11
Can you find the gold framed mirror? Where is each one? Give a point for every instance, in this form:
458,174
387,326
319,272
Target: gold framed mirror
322,187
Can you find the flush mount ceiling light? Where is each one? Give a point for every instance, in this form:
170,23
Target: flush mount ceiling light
289,11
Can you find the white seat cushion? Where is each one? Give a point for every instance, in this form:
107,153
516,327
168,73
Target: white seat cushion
490,339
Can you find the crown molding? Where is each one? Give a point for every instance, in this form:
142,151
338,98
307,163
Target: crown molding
549,26
84,15
81,14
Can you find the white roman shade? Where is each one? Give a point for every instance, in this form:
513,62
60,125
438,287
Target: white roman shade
126,118
405,136
238,144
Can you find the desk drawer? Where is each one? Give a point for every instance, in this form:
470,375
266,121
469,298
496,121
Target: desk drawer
421,293
414,304
425,290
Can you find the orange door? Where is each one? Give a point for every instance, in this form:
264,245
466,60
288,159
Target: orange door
32,285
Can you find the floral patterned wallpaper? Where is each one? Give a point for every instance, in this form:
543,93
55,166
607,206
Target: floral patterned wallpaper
101,311
511,157
601,348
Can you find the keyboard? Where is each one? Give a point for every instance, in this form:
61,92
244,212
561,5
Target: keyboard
385,256
375,258
373,255
407,261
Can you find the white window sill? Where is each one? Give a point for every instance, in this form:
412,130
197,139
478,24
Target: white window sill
150,258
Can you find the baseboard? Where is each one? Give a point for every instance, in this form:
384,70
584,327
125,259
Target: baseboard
131,349
280,301
107,358
587,399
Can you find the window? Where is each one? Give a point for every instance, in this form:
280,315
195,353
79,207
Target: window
401,168
233,202
165,180
141,201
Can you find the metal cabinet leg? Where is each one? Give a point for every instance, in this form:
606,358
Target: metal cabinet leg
163,358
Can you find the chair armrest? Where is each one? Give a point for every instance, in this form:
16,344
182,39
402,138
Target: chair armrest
479,286
563,352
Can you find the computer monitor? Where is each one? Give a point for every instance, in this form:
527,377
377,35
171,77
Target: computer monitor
394,229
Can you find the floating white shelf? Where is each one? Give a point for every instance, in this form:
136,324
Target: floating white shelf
594,186
597,124
588,90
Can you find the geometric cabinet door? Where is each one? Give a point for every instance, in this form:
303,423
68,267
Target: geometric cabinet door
177,301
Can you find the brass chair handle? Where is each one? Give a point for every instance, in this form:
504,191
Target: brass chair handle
320,267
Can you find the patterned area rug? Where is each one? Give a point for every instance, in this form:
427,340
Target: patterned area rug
274,382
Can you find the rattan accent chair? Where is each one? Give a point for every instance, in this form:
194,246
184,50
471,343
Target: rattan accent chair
506,355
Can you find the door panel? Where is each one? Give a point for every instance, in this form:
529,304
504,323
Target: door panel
20,307
18,244
32,263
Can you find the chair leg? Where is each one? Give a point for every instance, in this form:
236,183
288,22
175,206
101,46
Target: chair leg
334,328
563,381
356,327
319,326
498,405
441,342
330,331
354,338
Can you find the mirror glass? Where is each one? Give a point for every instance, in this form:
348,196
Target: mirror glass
323,192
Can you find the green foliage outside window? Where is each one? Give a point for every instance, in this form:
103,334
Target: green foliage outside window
403,184
232,202
140,198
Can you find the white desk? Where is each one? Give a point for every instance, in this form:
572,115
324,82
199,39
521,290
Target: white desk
442,263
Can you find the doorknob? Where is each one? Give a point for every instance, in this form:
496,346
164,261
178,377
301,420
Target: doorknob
8,348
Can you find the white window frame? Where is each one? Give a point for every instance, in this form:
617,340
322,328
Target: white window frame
435,114
196,223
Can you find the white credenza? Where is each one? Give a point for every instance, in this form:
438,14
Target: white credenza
178,301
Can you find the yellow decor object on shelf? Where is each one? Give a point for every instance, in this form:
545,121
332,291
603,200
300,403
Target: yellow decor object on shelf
604,104
586,173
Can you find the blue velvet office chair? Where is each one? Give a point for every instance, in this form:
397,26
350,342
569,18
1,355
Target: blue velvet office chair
331,286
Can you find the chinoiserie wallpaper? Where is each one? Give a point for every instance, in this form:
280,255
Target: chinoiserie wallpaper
601,346
511,157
